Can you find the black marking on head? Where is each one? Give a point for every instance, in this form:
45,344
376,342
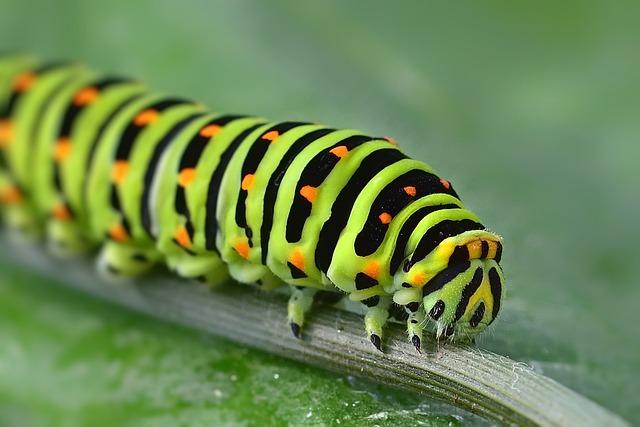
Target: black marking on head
436,234
370,166
314,174
460,254
477,316
271,191
437,310
296,273
413,306
468,292
371,302
496,292
485,249
363,281
498,256
444,277
211,218
405,233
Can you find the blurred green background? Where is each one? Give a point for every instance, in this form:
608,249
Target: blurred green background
532,110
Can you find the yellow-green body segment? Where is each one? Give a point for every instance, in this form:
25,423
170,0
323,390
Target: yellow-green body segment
93,161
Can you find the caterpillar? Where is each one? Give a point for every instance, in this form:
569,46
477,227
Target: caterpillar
96,162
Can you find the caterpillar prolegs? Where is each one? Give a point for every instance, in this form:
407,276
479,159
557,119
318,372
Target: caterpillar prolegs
94,161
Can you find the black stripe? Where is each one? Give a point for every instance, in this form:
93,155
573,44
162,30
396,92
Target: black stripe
460,254
496,292
485,249
152,167
406,230
370,166
363,281
252,161
477,315
314,174
296,273
271,191
468,292
392,199
444,277
436,234
211,220
498,256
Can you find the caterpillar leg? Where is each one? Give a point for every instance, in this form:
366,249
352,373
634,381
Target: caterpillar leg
300,302
376,317
117,260
415,323
209,270
19,216
65,239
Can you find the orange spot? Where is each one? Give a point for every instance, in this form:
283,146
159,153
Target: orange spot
310,193
248,181
62,149
493,249
271,136
475,249
61,212
411,191
86,96
242,248
146,117
339,151
419,279
385,218
11,195
6,132
297,258
372,269
119,172
183,238
118,233
24,81
391,140
210,130
446,184
186,177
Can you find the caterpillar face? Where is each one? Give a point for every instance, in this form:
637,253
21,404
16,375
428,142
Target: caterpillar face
459,283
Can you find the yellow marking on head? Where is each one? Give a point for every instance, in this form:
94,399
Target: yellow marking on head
271,136
242,248
119,171
475,249
248,182
340,151
61,212
146,117
493,248
86,96
24,81
385,218
182,237
6,133
310,193
391,140
418,279
446,184
482,294
10,195
372,269
62,149
411,191
297,258
186,177
210,130
118,233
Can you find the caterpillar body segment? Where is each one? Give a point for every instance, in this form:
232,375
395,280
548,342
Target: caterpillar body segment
102,162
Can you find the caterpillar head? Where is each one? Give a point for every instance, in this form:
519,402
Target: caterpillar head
460,284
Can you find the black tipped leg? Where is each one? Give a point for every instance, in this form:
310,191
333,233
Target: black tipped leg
416,342
375,339
295,328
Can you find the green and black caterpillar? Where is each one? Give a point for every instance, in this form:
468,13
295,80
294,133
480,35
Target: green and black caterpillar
94,161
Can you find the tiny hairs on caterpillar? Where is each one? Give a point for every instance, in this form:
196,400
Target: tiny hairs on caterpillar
96,162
